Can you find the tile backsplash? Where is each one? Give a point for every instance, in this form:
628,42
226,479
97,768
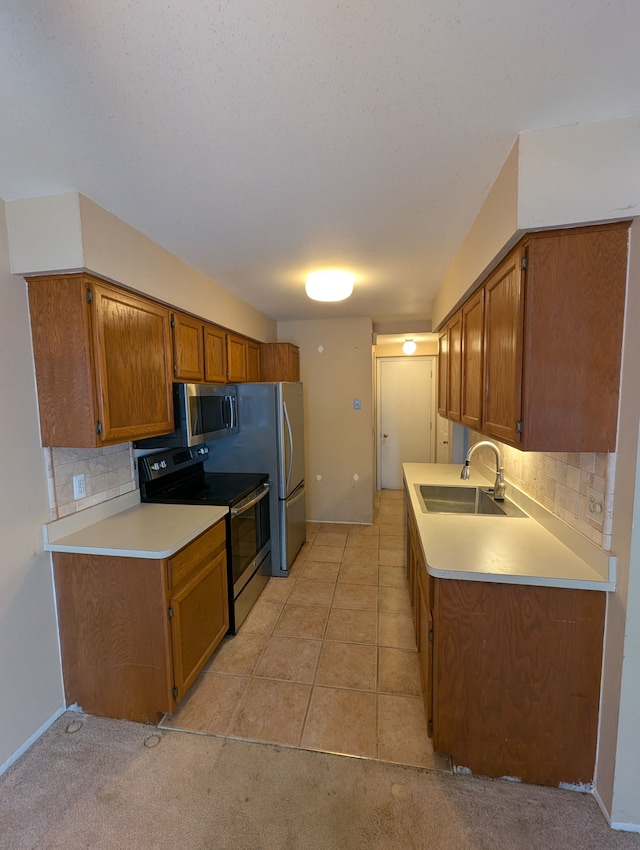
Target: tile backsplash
559,482
109,472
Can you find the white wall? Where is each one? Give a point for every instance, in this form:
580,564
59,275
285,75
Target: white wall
31,692
556,177
579,173
494,230
618,766
338,439
70,232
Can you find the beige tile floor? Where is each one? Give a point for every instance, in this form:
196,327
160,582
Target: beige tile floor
327,659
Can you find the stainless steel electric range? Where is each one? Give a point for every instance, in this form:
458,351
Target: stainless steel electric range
177,477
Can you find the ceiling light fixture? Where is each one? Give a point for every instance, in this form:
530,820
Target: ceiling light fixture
409,346
329,285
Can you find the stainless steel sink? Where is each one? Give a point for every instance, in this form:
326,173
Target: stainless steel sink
452,499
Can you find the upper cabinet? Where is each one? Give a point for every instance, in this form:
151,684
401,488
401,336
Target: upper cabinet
215,354
188,348
105,360
504,303
574,293
254,371
472,361
450,369
102,360
547,363
454,330
203,352
280,361
443,372
236,358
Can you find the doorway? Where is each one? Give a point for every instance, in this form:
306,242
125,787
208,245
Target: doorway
405,401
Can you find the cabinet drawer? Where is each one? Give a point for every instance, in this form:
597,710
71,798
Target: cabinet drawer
185,563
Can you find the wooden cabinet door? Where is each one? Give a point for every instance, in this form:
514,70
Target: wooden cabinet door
188,348
215,355
114,635
425,656
253,361
236,358
132,355
472,361
454,329
443,372
280,361
60,314
199,621
503,327
294,363
575,283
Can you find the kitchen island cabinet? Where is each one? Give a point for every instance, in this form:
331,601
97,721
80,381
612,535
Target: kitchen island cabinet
510,666
102,360
135,631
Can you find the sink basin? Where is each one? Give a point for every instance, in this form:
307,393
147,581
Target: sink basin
452,499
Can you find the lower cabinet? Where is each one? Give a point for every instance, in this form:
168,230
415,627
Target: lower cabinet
510,673
135,632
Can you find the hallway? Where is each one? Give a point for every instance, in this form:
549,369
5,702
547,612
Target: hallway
327,658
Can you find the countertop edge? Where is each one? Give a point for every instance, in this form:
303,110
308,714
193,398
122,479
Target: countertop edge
141,535
602,583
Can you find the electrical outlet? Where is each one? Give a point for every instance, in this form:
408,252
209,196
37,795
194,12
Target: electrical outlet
595,506
356,404
79,488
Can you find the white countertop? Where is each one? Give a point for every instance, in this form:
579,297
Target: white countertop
127,528
515,550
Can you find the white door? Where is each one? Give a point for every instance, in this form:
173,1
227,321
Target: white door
406,403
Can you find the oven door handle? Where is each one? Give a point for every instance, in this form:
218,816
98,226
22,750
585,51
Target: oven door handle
250,501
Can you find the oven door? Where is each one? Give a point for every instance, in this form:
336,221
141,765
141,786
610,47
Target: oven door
249,537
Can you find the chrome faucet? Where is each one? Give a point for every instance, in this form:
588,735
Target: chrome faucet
499,486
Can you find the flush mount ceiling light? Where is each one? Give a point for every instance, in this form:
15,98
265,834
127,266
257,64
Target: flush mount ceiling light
329,285
409,346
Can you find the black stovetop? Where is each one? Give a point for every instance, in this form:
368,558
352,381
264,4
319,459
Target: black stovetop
183,481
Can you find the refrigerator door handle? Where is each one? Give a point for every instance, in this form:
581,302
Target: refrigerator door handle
290,440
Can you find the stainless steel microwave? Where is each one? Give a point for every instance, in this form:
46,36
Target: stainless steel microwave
202,412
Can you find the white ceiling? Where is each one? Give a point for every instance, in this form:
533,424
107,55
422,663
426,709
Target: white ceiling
261,139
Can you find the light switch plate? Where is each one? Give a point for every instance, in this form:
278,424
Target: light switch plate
356,404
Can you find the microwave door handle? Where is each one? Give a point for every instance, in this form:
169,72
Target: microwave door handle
231,413
234,411
290,441
195,428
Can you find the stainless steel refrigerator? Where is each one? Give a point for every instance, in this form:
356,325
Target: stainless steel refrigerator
270,439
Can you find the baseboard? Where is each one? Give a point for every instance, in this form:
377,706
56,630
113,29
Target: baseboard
617,825
21,750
